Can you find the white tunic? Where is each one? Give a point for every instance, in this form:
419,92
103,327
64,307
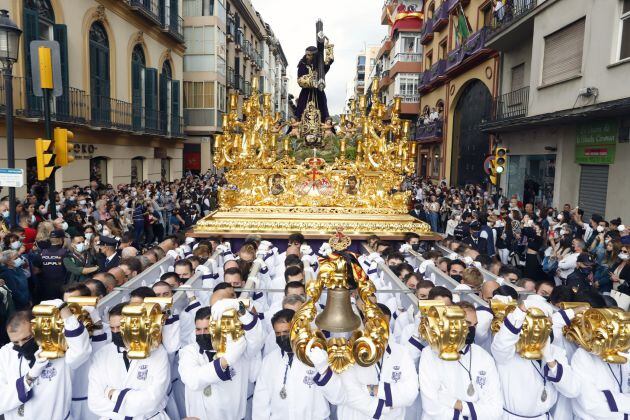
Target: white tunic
605,388
214,393
442,383
523,381
140,392
51,392
304,400
397,387
80,381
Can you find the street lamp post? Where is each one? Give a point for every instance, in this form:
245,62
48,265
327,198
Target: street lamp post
9,48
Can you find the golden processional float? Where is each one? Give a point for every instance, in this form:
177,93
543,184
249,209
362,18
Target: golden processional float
271,192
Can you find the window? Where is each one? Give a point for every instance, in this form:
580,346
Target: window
165,170
137,85
563,53
429,60
518,76
409,44
221,95
443,49
200,62
431,10
407,84
136,170
99,74
199,39
624,36
198,94
486,15
98,170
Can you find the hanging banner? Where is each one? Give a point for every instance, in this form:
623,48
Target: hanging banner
596,142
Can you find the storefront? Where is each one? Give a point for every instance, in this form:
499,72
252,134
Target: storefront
531,178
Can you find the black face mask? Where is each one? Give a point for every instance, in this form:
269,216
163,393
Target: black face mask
457,278
28,349
45,244
204,341
117,339
415,247
284,343
470,337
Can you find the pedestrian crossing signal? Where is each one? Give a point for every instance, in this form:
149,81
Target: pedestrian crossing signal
63,149
44,157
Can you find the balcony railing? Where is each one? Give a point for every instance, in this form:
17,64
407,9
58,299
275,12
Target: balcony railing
408,57
511,12
247,89
231,28
173,24
437,70
78,107
148,8
426,35
511,105
440,19
240,83
473,45
231,79
240,38
385,74
247,49
410,99
430,131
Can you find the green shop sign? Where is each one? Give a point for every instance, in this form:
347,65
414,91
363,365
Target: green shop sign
596,142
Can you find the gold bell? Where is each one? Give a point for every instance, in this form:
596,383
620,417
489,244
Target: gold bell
338,316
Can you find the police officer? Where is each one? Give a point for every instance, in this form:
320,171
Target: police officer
109,253
54,273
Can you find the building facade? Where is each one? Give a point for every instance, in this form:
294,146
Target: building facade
228,46
399,58
366,61
563,108
121,65
456,87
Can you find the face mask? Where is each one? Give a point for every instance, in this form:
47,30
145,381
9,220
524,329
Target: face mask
415,247
284,343
117,339
457,278
6,214
80,247
204,341
600,229
470,337
28,349
18,262
58,207
33,220
82,202
623,256
133,193
64,226
88,235
16,245
106,232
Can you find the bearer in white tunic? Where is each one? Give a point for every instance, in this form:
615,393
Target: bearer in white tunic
285,388
130,389
381,391
530,387
468,388
32,387
216,388
605,388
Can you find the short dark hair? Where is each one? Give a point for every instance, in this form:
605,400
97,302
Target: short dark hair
292,271
222,286
440,291
142,292
561,294
297,237
425,284
203,313
78,287
19,318
456,262
232,271
117,309
396,255
293,285
293,260
545,282
385,310
410,235
182,263
510,269
591,297
160,283
133,263
506,290
98,285
170,274
283,315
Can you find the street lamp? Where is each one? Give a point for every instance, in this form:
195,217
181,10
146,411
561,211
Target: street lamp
9,49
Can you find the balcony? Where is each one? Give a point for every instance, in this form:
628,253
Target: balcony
511,105
150,9
511,13
440,19
240,39
430,132
514,23
426,35
408,58
473,48
230,78
410,99
247,89
173,25
437,71
247,49
231,29
454,4
240,83
77,107
454,58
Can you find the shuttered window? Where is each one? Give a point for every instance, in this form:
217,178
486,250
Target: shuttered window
563,53
593,189
518,77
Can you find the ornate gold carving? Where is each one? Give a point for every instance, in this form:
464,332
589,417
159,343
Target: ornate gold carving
443,327
99,13
141,328
229,325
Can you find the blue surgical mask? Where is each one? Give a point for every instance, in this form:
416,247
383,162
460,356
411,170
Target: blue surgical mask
18,262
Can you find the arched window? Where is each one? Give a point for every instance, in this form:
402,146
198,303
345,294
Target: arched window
99,74
430,10
138,65
166,75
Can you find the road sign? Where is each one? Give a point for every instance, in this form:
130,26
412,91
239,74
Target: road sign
487,164
11,177
38,59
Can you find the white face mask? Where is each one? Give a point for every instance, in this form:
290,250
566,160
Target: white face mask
58,207
600,229
623,256
88,236
6,214
82,202
18,262
16,245
106,232
80,247
64,226
33,220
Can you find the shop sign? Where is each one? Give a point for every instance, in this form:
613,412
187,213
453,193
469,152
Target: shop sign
84,151
596,142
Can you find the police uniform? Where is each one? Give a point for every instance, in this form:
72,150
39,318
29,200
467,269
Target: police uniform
114,259
54,273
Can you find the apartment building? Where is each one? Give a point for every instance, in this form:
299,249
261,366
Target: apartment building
366,61
458,83
399,58
228,46
121,68
563,108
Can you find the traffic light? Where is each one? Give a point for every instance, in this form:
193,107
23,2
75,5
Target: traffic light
63,149
500,159
44,158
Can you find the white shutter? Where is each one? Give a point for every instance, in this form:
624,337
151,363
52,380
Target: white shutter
563,53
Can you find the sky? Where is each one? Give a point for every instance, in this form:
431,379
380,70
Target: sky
349,24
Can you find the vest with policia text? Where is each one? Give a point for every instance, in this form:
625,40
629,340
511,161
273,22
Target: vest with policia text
53,269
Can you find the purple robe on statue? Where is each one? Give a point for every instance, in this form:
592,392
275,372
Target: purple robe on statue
307,94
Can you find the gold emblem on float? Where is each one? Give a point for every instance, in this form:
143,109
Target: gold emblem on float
141,326
48,327
340,273
534,333
443,327
228,326
604,332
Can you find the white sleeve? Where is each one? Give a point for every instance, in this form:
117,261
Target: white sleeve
13,391
430,388
197,376
146,401
562,375
490,402
98,402
567,262
402,393
504,342
339,392
171,334
254,334
78,339
261,404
